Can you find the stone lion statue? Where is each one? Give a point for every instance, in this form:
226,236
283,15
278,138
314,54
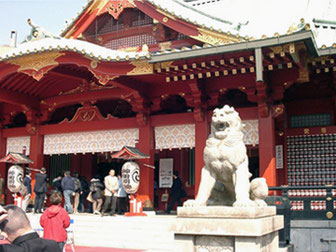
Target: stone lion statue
226,161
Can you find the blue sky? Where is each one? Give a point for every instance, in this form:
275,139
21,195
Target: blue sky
49,14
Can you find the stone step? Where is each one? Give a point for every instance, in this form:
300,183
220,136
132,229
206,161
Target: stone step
151,233
129,243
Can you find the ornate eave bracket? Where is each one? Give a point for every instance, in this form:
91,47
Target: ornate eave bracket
113,7
278,110
263,102
36,65
102,78
33,118
140,105
298,53
87,113
197,99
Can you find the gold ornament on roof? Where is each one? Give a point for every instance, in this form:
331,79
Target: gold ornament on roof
141,67
165,45
292,29
214,38
94,63
36,61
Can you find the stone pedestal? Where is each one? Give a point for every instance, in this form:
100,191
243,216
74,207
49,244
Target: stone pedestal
227,229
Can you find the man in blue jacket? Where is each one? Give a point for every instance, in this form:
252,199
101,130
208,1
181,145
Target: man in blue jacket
68,186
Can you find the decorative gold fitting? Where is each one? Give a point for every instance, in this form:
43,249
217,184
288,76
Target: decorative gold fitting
329,215
94,64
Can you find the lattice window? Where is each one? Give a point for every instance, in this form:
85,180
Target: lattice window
132,41
112,25
311,159
300,121
182,36
139,18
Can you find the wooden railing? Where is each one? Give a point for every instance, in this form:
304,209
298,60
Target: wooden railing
305,202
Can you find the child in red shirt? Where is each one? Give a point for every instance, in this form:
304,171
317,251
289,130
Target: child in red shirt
55,220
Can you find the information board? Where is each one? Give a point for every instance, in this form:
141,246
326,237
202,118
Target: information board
166,172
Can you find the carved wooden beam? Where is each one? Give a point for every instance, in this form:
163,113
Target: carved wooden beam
129,84
102,94
18,99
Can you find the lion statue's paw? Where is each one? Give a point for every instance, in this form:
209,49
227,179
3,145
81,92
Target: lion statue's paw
193,203
244,203
260,203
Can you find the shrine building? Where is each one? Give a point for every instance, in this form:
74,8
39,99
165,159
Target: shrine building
148,74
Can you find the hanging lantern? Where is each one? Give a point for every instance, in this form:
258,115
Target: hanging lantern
15,178
130,172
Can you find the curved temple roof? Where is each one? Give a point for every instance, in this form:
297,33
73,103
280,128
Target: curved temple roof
74,45
197,16
250,20
267,17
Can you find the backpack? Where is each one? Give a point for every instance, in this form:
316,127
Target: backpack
93,188
77,184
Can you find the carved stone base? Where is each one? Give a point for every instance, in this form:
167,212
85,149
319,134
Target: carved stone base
214,229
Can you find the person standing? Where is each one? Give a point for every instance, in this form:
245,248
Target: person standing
40,190
96,188
176,192
56,183
85,193
15,226
55,220
122,197
27,184
68,187
111,188
78,191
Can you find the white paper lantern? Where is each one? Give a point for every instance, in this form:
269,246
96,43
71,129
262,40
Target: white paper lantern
130,177
15,178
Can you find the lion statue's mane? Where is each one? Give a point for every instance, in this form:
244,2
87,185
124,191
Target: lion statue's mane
226,163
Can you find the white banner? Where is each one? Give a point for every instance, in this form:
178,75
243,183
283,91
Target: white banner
17,144
90,142
175,137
